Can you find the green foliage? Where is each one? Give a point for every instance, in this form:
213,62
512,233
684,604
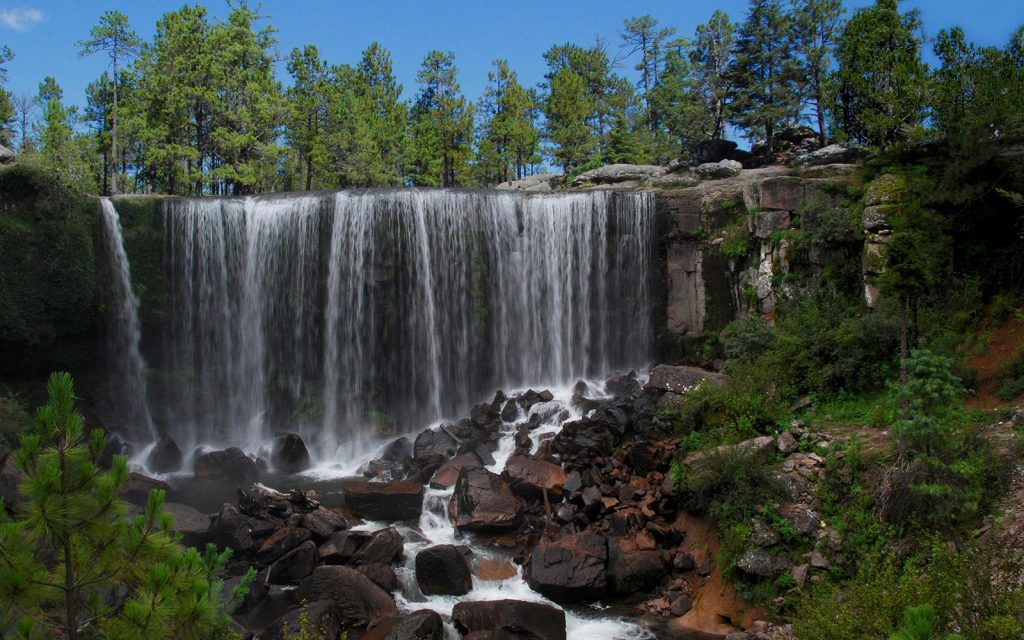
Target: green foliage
442,124
880,88
958,587
729,484
509,137
932,394
76,564
14,418
1010,379
744,340
737,240
48,313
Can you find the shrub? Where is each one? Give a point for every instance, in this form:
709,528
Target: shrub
747,338
1010,379
729,483
74,564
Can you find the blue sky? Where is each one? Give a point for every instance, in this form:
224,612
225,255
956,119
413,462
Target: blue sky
43,33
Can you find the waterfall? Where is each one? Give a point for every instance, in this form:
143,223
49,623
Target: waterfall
127,366
353,316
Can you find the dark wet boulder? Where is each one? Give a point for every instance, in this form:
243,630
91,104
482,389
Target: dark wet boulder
355,600
230,466
421,469
586,438
394,500
294,565
483,502
570,569
531,478
435,441
712,151
136,489
383,547
190,523
510,619
289,453
631,570
319,615
281,542
381,574
237,531
446,476
510,411
418,625
620,386
322,523
443,570
165,456
341,546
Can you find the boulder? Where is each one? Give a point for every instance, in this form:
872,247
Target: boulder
355,599
319,615
391,501
878,218
192,525
681,379
294,565
443,570
707,151
570,569
510,619
616,173
718,170
289,453
6,155
281,542
433,441
136,489
539,183
341,546
322,523
381,574
230,466
761,563
418,625
483,502
631,570
803,519
383,547
165,456
768,223
832,154
620,386
786,443
234,530
446,476
531,478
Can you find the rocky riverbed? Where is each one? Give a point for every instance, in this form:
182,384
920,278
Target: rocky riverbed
542,514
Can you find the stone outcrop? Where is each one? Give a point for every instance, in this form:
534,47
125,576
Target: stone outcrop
718,170
541,183
619,174
884,199
570,569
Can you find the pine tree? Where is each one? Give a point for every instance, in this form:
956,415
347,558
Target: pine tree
642,35
387,115
75,565
817,24
307,101
509,137
711,57
7,107
114,36
567,109
762,74
678,100
442,122
881,83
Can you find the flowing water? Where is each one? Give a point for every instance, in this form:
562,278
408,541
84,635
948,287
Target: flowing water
126,365
354,316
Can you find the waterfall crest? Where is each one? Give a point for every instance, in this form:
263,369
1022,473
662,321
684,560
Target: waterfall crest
352,316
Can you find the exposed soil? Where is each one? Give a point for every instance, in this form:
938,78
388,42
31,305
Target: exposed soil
1004,344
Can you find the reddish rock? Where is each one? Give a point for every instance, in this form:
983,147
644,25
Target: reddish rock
532,477
509,619
294,565
382,574
391,501
443,570
446,476
281,542
231,466
355,600
483,502
631,570
570,569
384,546
418,625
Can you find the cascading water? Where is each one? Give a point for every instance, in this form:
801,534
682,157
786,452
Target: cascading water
351,316
126,364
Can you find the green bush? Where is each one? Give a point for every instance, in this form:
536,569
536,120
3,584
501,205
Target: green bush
1010,379
746,339
730,483
959,587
